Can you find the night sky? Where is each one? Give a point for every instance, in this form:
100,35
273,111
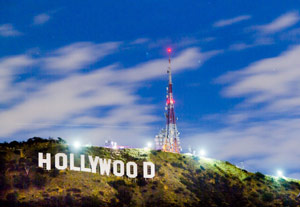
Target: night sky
90,71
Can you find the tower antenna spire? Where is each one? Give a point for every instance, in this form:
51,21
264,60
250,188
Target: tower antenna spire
169,68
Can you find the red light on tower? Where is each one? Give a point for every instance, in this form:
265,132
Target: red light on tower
169,50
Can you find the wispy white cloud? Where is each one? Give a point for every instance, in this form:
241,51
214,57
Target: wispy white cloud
76,56
272,81
284,21
41,19
227,22
139,41
7,30
10,68
292,35
257,42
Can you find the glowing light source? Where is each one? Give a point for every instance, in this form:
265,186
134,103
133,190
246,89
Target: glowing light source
169,50
148,147
202,153
279,173
77,144
114,145
170,101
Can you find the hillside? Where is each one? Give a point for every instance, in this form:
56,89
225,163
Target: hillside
180,180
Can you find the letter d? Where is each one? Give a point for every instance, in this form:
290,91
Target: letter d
146,166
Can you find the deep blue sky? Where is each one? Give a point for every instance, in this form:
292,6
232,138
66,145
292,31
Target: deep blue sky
235,75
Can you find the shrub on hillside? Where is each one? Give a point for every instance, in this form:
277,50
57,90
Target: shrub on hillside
157,167
287,201
2,162
249,178
176,164
21,181
184,181
228,163
178,190
54,173
259,175
61,140
69,200
39,170
74,190
12,198
92,201
154,152
124,195
4,182
161,174
39,180
115,184
267,197
286,185
254,194
295,184
141,181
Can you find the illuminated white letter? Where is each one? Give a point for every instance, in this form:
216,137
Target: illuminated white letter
72,165
104,166
146,171
83,168
46,161
57,161
94,163
128,169
115,166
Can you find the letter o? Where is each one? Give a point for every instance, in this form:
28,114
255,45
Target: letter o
57,161
115,166
128,170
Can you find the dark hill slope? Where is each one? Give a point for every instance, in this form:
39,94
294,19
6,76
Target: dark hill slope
180,180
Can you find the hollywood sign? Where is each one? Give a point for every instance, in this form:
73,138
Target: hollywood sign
103,165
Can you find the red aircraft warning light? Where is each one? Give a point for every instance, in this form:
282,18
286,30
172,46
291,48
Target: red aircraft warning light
169,50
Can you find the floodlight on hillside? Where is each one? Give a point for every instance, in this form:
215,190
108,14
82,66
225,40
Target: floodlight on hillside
202,153
148,146
279,173
77,145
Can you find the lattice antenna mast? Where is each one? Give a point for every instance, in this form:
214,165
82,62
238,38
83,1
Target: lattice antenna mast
171,141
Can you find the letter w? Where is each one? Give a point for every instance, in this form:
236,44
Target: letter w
105,166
